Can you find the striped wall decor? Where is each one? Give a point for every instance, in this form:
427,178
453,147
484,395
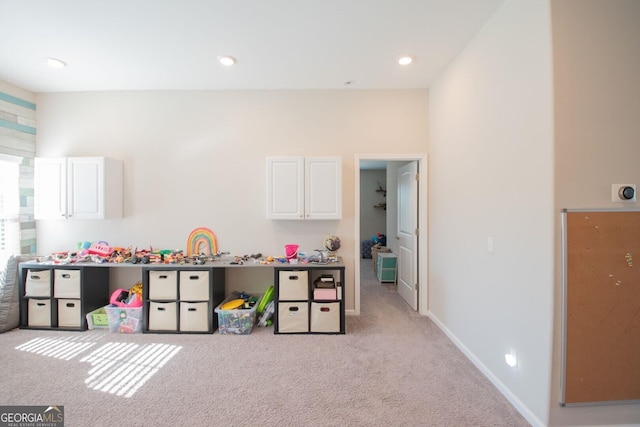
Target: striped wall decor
18,138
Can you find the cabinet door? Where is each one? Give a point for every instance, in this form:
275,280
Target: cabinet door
323,188
285,187
86,187
78,187
50,183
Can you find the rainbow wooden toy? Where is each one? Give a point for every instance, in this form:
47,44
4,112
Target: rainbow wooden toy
202,240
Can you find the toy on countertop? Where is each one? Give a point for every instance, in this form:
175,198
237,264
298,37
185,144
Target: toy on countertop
331,243
201,240
61,257
321,258
291,251
202,258
240,260
163,256
101,248
120,255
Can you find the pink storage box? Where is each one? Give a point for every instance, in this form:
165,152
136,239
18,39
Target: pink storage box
328,294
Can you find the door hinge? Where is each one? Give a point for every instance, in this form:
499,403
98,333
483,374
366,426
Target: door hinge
417,231
417,177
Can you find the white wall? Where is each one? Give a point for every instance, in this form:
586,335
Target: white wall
197,158
17,91
597,122
491,175
372,219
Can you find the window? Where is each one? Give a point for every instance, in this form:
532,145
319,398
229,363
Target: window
9,207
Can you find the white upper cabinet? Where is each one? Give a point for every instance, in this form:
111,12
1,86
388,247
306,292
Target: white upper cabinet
78,187
304,188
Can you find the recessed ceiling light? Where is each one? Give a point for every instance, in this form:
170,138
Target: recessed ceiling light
405,60
227,60
56,63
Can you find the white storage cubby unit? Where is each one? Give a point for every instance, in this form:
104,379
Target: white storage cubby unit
309,299
59,297
181,298
78,187
304,188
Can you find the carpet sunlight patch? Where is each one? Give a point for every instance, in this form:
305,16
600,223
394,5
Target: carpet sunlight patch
59,348
122,368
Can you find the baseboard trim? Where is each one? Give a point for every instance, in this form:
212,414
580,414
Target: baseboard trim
517,403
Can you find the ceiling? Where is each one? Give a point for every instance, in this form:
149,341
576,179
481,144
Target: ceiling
279,44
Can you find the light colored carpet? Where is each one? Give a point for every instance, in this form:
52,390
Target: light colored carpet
392,368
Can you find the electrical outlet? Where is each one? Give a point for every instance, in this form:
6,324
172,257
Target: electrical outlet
625,193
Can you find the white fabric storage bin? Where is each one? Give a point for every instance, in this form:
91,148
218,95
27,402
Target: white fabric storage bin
194,316
293,285
163,316
39,312
325,317
66,283
38,283
293,317
163,284
69,313
194,285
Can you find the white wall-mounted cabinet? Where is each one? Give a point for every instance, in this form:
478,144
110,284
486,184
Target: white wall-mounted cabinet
78,187
304,188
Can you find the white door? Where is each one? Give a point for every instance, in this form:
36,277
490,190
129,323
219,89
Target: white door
408,233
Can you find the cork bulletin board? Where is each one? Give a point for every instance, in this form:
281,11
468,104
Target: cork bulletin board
601,307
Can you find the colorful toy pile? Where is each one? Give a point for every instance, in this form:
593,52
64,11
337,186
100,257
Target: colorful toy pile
202,247
103,253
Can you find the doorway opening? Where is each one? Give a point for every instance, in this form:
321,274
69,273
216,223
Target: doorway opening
391,164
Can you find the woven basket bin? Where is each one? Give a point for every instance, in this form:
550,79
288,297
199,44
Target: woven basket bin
374,255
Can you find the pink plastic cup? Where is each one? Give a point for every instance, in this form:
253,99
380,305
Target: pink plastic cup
291,251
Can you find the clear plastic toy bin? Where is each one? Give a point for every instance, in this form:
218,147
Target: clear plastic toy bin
237,321
124,320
